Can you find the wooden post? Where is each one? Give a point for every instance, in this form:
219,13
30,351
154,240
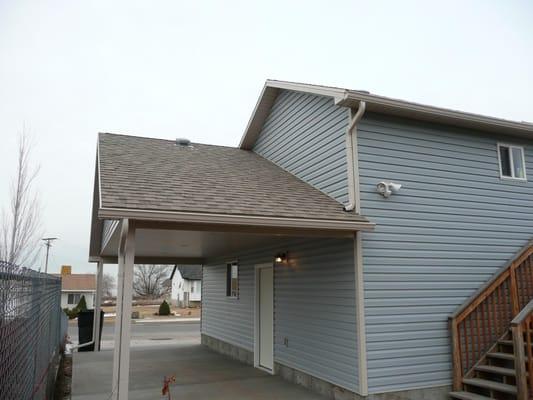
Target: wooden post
456,356
520,362
121,357
515,303
98,305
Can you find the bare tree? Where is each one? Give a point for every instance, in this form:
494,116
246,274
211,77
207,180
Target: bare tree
108,285
148,280
20,223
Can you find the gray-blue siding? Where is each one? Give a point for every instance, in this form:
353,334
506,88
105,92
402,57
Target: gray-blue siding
304,134
448,230
314,307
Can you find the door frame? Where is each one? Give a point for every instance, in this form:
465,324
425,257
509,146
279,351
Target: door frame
257,332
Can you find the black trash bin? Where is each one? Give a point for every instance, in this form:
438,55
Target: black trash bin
85,329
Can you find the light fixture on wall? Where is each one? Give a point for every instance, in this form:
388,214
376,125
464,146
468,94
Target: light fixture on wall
280,257
387,188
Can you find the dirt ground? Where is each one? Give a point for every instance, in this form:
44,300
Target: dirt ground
150,312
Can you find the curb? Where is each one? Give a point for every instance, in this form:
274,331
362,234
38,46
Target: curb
140,321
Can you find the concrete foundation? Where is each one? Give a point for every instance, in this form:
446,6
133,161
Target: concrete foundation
324,388
432,393
234,352
320,386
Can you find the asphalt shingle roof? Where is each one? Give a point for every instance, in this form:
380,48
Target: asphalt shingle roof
78,281
155,174
191,272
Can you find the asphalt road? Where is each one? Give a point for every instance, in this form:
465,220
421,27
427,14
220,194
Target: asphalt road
146,332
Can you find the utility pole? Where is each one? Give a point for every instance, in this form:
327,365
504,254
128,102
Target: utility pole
48,244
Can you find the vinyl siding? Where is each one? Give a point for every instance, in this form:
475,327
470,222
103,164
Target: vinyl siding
314,307
448,230
304,134
225,318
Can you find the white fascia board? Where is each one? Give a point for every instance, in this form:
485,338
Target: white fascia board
236,220
387,105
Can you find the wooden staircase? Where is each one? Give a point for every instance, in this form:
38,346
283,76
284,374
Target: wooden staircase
492,336
494,377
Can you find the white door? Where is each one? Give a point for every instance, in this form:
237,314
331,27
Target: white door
265,319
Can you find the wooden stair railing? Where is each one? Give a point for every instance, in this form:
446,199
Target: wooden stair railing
477,325
522,329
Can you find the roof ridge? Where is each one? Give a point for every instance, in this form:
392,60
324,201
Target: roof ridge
164,140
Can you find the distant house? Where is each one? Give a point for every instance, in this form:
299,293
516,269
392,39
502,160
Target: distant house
186,288
73,286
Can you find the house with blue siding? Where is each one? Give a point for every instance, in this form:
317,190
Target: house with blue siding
362,246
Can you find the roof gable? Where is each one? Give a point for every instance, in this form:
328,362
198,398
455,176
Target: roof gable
191,272
378,104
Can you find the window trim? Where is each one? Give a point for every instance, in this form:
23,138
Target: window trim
229,264
74,296
511,160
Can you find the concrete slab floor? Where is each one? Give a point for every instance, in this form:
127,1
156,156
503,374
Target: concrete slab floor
200,374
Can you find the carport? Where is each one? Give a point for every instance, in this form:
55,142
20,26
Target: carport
161,202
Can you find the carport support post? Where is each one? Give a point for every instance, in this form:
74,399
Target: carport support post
98,304
121,357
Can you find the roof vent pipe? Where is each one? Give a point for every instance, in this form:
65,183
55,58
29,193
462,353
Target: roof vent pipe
350,156
183,142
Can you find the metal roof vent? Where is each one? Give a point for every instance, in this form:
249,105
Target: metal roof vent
183,142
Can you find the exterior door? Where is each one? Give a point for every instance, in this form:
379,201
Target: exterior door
265,317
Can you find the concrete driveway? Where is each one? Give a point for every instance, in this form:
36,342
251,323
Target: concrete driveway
200,374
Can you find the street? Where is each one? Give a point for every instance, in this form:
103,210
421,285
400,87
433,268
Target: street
148,333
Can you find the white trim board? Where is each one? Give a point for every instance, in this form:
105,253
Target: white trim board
257,268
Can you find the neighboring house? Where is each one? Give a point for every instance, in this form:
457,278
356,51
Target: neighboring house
317,265
73,286
186,285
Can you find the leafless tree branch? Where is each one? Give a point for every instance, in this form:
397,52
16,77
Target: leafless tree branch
108,285
148,280
20,224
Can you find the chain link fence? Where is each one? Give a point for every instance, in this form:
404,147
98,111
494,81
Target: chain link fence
32,332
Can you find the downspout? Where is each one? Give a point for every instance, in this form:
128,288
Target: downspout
350,133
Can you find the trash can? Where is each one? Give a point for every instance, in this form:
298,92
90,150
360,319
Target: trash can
85,329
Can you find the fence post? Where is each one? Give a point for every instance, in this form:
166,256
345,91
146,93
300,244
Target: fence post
515,303
456,356
520,362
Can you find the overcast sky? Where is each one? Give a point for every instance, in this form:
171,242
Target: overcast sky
69,69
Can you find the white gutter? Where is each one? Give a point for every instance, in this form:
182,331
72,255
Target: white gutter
350,157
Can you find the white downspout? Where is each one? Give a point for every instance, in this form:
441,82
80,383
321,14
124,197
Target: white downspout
350,133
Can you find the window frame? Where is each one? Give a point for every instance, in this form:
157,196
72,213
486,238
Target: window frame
511,160
74,297
229,293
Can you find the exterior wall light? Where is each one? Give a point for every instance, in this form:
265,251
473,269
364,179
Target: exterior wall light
280,257
387,188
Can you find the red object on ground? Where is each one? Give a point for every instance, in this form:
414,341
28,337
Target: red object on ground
166,385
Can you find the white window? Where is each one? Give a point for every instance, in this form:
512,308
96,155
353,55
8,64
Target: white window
512,161
232,279
73,298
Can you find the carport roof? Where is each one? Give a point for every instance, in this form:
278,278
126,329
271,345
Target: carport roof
139,173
